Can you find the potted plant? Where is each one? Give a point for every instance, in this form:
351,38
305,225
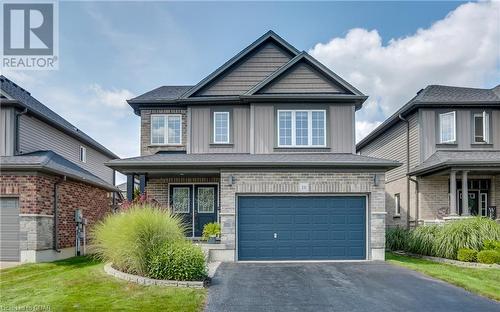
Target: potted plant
211,231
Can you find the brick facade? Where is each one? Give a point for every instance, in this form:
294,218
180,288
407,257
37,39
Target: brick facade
146,147
36,203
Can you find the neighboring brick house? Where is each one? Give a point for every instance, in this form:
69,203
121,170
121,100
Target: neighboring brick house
448,139
265,146
49,170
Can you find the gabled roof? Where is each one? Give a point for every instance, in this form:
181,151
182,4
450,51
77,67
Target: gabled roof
23,99
51,162
437,96
304,57
270,35
441,160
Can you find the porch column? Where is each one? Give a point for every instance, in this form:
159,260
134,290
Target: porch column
130,187
465,194
142,183
453,193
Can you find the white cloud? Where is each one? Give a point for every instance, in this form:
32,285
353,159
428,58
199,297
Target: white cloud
114,98
363,128
461,49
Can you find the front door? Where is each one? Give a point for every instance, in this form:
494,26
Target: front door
196,204
473,202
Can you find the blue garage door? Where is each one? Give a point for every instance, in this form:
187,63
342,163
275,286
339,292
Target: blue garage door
301,228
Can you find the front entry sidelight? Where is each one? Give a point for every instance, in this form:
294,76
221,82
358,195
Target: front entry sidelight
196,204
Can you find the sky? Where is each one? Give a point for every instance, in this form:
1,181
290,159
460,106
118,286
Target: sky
113,51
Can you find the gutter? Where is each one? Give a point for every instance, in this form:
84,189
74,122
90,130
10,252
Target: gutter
55,244
16,131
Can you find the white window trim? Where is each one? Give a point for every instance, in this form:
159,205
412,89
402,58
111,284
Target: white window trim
82,154
166,129
309,127
397,205
228,128
486,127
454,138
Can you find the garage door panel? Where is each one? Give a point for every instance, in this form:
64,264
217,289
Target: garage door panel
307,227
9,229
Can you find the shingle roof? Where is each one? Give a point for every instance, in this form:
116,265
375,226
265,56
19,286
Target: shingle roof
34,106
445,159
449,94
438,96
166,160
162,93
54,163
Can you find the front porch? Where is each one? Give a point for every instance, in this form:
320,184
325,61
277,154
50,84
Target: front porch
458,193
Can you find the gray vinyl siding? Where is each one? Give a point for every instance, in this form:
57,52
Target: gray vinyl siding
248,72
7,131
201,130
302,78
35,135
429,131
392,145
340,129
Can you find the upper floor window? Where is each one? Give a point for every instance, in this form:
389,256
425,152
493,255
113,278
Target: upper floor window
447,127
83,154
301,128
221,127
166,129
481,127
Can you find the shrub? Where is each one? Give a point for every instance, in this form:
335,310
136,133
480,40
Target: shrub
467,255
396,238
180,261
422,239
211,229
127,239
488,256
491,245
466,233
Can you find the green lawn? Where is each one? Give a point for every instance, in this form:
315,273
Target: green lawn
80,284
485,282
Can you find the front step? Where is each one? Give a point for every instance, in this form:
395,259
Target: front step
216,252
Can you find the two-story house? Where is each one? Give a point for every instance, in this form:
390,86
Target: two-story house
265,145
49,170
448,139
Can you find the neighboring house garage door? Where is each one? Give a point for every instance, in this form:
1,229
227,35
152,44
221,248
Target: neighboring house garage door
9,229
301,227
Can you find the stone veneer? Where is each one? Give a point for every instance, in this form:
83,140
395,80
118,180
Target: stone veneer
320,182
146,147
36,204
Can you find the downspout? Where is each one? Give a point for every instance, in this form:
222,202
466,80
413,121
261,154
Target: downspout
417,209
55,244
407,169
16,138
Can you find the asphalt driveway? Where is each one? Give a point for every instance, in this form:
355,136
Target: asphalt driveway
347,286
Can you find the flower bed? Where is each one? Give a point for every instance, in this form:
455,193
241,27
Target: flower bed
450,261
108,268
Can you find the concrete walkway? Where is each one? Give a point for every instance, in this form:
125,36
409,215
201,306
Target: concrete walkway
360,286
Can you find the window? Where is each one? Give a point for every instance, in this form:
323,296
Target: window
206,200
221,127
180,199
83,154
481,127
166,129
447,128
397,204
301,128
